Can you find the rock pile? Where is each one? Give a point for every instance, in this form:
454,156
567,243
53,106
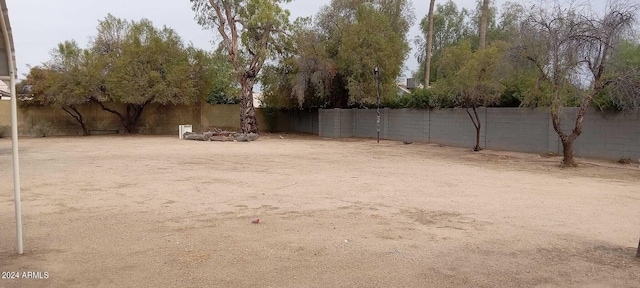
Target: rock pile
220,135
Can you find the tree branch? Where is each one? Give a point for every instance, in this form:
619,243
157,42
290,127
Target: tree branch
72,115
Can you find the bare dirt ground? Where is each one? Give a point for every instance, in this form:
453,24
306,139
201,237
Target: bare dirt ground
137,211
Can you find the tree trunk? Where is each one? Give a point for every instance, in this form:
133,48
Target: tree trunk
248,122
85,130
134,112
483,24
73,111
477,147
427,68
567,140
638,252
130,119
477,124
567,152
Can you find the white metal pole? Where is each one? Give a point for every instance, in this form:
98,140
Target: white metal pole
14,131
16,162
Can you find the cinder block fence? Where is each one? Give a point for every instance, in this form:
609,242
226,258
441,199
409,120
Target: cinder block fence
605,135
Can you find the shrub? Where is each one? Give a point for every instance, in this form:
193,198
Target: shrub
219,97
42,129
420,99
625,160
510,97
396,102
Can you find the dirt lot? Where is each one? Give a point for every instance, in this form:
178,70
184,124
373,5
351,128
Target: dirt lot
161,212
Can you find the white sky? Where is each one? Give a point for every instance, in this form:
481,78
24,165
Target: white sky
39,25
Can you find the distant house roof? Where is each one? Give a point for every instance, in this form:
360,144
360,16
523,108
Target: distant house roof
402,89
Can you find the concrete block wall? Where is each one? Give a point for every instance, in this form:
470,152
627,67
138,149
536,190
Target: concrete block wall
605,135
329,123
366,119
226,116
304,121
221,116
156,119
611,136
165,119
407,125
525,130
345,122
454,127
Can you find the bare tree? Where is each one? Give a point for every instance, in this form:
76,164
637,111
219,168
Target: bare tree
570,48
427,70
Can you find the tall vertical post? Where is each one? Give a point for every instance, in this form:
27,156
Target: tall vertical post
4,25
377,72
16,162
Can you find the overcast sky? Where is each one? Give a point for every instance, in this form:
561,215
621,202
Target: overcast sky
39,25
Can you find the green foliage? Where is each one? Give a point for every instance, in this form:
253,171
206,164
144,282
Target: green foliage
430,98
304,75
221,97
127,62
60,81
276,86
135,63
451,26
251,31
474,19
510,97
331,63
218,78
365,44
258,26
623,92
394,103
420,99
150,65
470,78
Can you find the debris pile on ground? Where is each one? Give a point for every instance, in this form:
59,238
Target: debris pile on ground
220,135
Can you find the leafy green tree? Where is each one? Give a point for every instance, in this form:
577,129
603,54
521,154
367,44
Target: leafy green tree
137,64
452,25
449,28
303,75
218,78
470,78
251,30
61,82
508,26
370,41
331,63
624,76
